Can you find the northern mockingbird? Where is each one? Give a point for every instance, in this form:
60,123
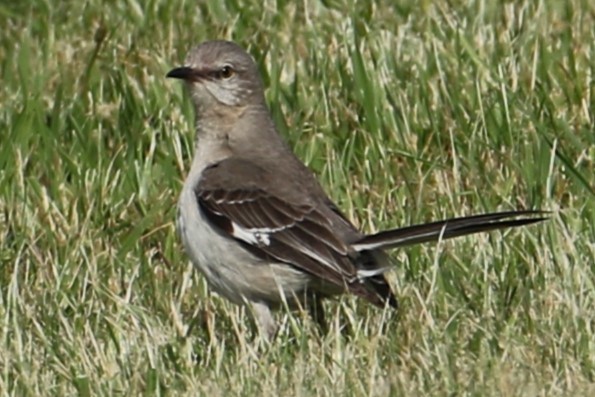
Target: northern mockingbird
255,221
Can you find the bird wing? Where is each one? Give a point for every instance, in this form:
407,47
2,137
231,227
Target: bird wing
244,203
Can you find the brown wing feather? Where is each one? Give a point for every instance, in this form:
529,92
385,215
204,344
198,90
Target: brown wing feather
326,255
297,233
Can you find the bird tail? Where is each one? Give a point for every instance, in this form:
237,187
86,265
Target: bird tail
449,228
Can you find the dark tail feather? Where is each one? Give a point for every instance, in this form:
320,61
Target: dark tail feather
449,228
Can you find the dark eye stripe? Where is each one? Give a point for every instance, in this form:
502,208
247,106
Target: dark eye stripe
223,73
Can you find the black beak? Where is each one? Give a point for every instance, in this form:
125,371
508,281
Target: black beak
184,73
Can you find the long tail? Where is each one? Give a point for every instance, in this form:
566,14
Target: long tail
449,228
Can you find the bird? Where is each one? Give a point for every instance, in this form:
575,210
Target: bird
255,221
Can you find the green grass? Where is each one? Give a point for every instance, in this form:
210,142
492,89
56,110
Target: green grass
408,113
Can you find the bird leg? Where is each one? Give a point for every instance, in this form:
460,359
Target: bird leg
265,321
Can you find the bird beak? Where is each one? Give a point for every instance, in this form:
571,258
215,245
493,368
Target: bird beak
184,73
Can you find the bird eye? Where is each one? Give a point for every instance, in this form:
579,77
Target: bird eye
226,72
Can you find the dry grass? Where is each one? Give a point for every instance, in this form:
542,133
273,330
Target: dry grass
407,112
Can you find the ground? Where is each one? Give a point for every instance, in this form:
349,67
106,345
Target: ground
407,112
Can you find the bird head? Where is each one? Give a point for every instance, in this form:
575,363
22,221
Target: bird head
220,73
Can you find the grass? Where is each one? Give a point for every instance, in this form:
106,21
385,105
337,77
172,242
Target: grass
408,112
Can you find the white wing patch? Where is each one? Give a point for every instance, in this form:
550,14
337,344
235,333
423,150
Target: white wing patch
260,237
255,236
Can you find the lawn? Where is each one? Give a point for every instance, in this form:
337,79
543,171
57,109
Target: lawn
408,112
